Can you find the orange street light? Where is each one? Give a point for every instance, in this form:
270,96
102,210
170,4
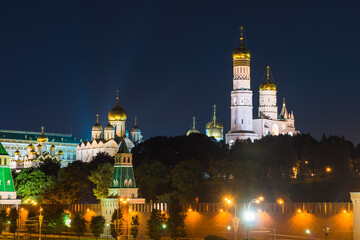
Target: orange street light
280,201
328,170
299,210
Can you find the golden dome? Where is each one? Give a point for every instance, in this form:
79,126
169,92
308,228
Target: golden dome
215,132
268,86
17,152
214,122
38,146
193,129
241,52
52,146
117,113
32,151
30,146
42,137
97,126
60,152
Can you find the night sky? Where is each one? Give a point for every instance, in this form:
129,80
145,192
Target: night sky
62,61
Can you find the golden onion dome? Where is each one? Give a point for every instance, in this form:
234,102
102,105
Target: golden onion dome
52,147
60,152
214,122
214,132
117,113
97,127
38,146
193,129
17,152
42,137
32,151
30,146
241,52
267,86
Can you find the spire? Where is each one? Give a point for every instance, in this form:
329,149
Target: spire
42,129
97,118
284,112
194,123
267,73
122,147
135,121
117,94
214,112
242,34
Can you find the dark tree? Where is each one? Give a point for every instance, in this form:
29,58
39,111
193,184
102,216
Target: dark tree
117,224
3,220
78,225
99,159
54,221
102,177
176,221
13,217
156,225
50,167
97,225
135,223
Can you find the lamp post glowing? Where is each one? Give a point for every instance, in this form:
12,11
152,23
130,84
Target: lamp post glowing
235,219
250,216
326,232
307,231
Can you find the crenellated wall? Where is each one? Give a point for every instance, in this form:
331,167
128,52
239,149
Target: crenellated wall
287,221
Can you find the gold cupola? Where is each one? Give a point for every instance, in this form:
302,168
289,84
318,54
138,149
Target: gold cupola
42,137
117,113
214,122
267,86
241,53
17,152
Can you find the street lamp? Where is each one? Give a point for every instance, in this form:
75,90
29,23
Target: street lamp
307,231
249,216
326,232
33,202
235,219
107,231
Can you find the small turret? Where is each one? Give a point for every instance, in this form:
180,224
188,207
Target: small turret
284,112
136,132
193,129
97,129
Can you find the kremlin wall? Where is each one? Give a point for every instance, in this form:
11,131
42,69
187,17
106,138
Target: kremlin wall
286,221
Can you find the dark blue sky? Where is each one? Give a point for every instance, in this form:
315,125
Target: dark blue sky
61,62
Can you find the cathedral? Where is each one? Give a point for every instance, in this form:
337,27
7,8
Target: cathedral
243,125
268,122
108,139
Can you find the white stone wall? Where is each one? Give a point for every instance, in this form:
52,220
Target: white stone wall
267,104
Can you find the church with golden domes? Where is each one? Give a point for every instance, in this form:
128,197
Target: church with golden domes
108,139
268,122
243,125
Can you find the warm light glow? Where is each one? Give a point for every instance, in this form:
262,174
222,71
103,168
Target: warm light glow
307,231
190,210
228,228
306,162
344,211
328,169
221,210
41,209
121,199
88,210
299,210
280,201
22,209
249,216
257,201
261,198
228,201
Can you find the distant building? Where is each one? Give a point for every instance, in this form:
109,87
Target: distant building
269,122
7,189
27,148
108,139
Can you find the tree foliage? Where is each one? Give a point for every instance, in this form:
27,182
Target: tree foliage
135,223
13,217
155,225
102,177
78,225
176,222
3,220
117,223
97,225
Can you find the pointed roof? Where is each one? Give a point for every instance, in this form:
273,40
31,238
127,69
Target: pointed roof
122,147
2,150
193,129
214,121
284,112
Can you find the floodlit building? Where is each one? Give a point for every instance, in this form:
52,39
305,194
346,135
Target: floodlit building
108,139
28,149
269,122
7,189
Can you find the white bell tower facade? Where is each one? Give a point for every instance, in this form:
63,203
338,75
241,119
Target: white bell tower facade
241,96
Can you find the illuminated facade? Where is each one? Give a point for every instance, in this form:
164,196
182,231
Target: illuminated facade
7,189
108,139
28,149
243,125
